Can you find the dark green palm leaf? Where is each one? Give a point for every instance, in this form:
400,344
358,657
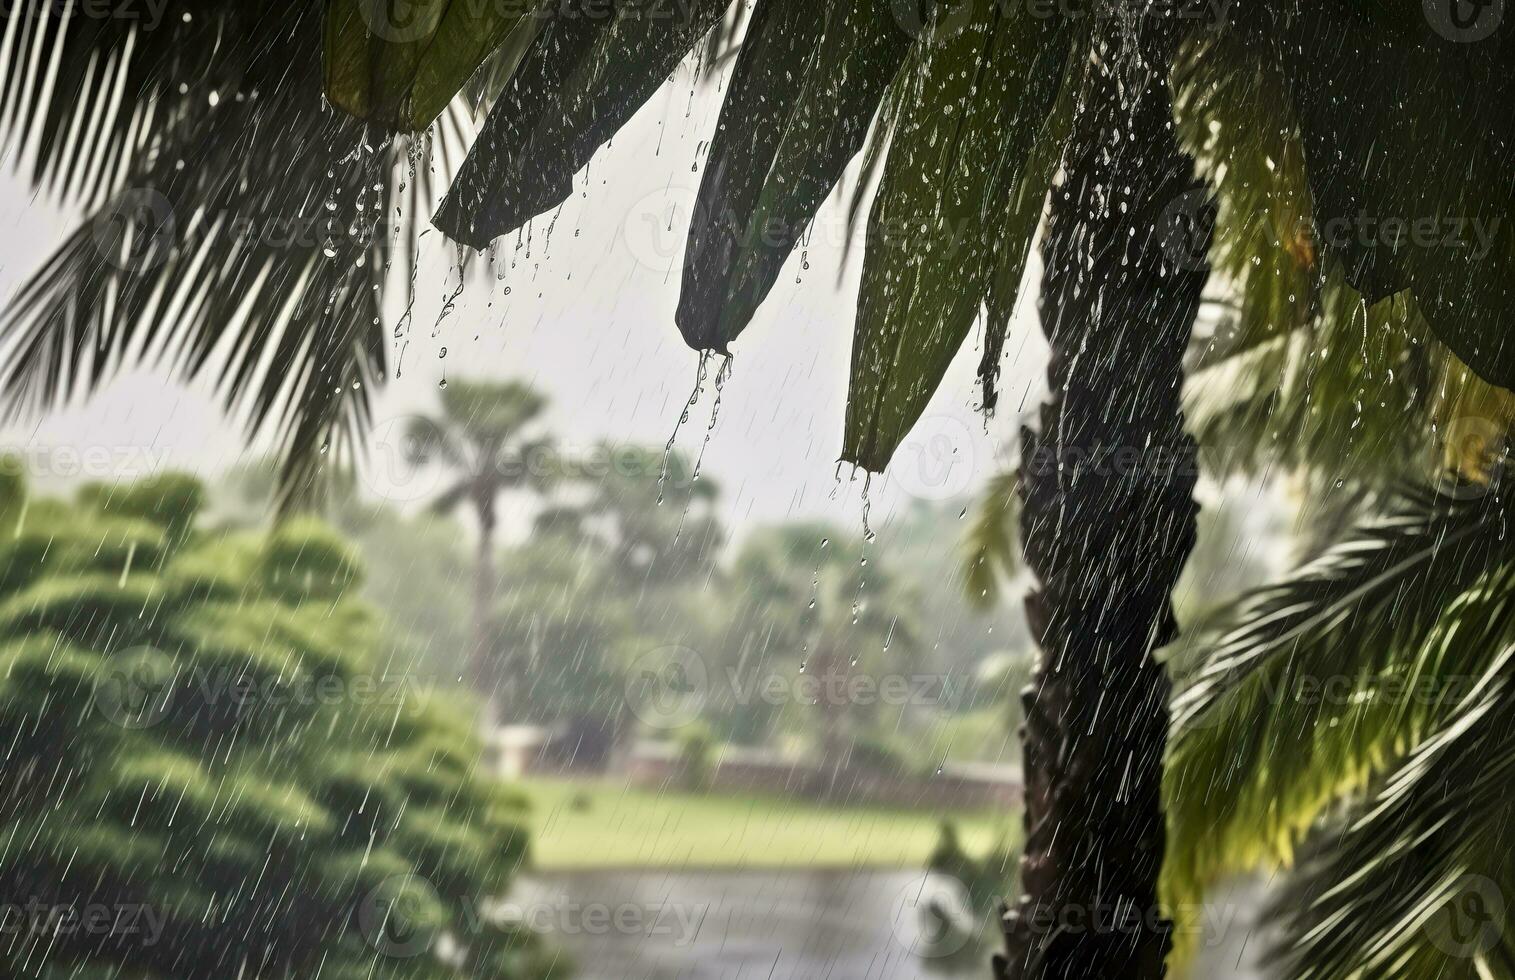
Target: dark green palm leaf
399,63
1023,216
1301,372
975,108
581,81
806,86
1374,86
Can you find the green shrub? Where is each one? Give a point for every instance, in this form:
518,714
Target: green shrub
697,761
875,755
207,773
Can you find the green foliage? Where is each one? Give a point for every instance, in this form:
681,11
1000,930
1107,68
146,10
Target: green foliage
967,137
417,570
201,743
559,634
203,242
975,103
778,152
172,501
305,560
1329,683
12,487
992,541
491,413
1414,881
980,650
1374,88
986,881
582,78
483,435
871,753
650,515
398,63
814,602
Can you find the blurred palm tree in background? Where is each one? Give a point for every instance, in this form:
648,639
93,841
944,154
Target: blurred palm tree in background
649,513
483,436
849,621
624,561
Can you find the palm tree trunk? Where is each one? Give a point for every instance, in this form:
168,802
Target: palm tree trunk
1108,521
480,661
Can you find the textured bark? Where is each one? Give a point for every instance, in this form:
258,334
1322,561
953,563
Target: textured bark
1107,524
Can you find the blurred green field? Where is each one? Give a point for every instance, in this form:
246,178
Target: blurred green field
580,826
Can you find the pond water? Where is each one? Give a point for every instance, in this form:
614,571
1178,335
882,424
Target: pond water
781,925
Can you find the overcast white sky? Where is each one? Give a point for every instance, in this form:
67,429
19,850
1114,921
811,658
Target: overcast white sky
589,320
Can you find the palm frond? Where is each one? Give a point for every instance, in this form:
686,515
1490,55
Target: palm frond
1331,675
1413,881
235,229
790,124
579,82
992,543
724,42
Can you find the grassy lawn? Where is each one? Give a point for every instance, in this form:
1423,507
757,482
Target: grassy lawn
623,828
